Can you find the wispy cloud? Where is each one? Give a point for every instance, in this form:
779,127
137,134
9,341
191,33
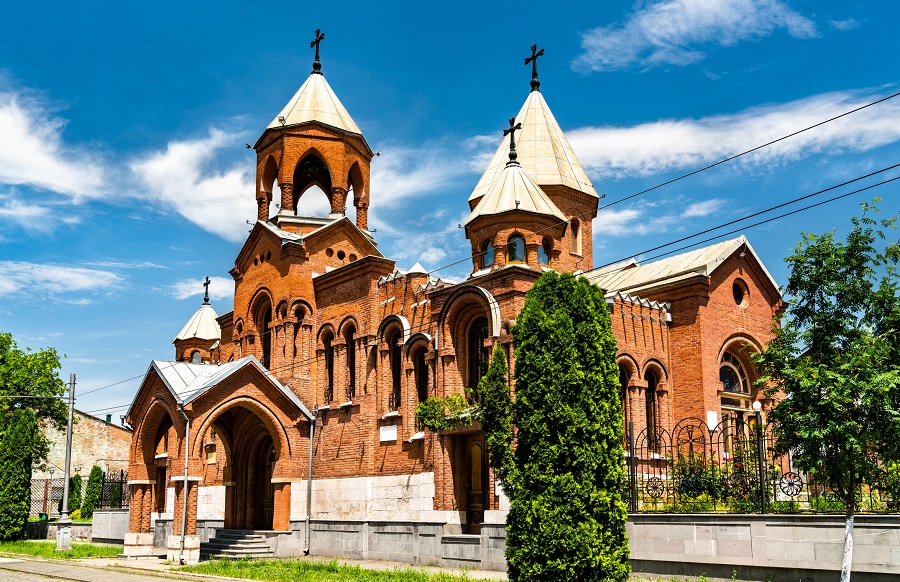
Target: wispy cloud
677,32
43,278
219,288
189,178
665,145
848,24
33,153
654,217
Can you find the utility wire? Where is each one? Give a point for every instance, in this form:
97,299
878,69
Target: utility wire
427,325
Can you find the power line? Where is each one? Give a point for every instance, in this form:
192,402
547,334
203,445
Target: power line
427,325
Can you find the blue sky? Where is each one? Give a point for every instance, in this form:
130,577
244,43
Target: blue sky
124,179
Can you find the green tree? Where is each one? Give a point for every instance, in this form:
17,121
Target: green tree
495,412
567,516
833,362
30,388
74,493
18,429
92,493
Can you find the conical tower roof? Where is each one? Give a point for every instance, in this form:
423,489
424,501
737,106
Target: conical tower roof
514,190
315,101
202,325
543,149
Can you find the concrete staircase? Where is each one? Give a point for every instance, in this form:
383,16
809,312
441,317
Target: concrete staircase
235,544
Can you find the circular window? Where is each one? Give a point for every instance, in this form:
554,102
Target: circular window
352,257
341,255
740,292
329,252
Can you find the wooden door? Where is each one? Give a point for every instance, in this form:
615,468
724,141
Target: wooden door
477,482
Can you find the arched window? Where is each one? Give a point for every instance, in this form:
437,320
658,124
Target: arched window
544,252
421,371
478,353
487,255
575,236
394,355
350,346
651,411
329,366
263,320
733,376
196,358
515,249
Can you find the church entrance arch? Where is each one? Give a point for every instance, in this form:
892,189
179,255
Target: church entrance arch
250,494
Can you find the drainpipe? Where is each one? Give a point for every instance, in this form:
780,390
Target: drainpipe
187,439
309,476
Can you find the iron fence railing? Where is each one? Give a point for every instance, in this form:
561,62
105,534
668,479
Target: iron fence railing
115,490
731,467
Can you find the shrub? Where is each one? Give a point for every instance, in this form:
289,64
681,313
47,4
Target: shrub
18,431
92,493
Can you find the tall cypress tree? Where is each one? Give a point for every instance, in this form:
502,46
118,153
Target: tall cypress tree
567,516
92,492
18,434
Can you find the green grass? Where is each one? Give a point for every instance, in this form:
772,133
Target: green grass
47,549
305,571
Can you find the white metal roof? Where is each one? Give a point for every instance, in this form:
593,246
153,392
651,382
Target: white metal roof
631,276
514,190
188,381
543,149
202,325
316,101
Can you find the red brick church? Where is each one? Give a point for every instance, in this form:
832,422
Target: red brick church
330,347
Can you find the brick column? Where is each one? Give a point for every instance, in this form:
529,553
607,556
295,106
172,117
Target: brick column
136,508
148,508
281,519
362,215
262,210
287,197
338,200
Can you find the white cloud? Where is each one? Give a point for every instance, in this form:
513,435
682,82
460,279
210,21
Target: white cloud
654,217
674,31
219,288
848,24
29,216
42,278
666,145
32,151
185,177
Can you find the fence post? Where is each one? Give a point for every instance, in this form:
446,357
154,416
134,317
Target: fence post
761,451
632,469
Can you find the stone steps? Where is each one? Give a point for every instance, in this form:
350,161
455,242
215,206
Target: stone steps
235,544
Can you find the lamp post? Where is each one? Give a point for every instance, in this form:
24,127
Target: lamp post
760,448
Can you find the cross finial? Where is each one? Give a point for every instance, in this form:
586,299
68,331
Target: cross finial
511,132
317,66
206,292
535,82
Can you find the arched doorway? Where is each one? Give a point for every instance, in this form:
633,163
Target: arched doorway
251,503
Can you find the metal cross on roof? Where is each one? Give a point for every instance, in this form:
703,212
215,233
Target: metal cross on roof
206,292
317,66
535,82
511,132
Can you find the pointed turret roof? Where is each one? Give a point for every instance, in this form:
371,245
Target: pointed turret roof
202,325
316,101
514,190
543,149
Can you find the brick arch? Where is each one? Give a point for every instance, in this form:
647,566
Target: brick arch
301,304
267,178
326,328
652,364
356,180
460,299
322,181
149,427
388,321
256,301
627,361
743,340
349,320
415,342
269,419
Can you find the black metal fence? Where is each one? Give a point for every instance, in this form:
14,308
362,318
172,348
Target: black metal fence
46,496
115,489
732,468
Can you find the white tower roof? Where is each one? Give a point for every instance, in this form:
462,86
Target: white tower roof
202,325
316,101
514,190
543,149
